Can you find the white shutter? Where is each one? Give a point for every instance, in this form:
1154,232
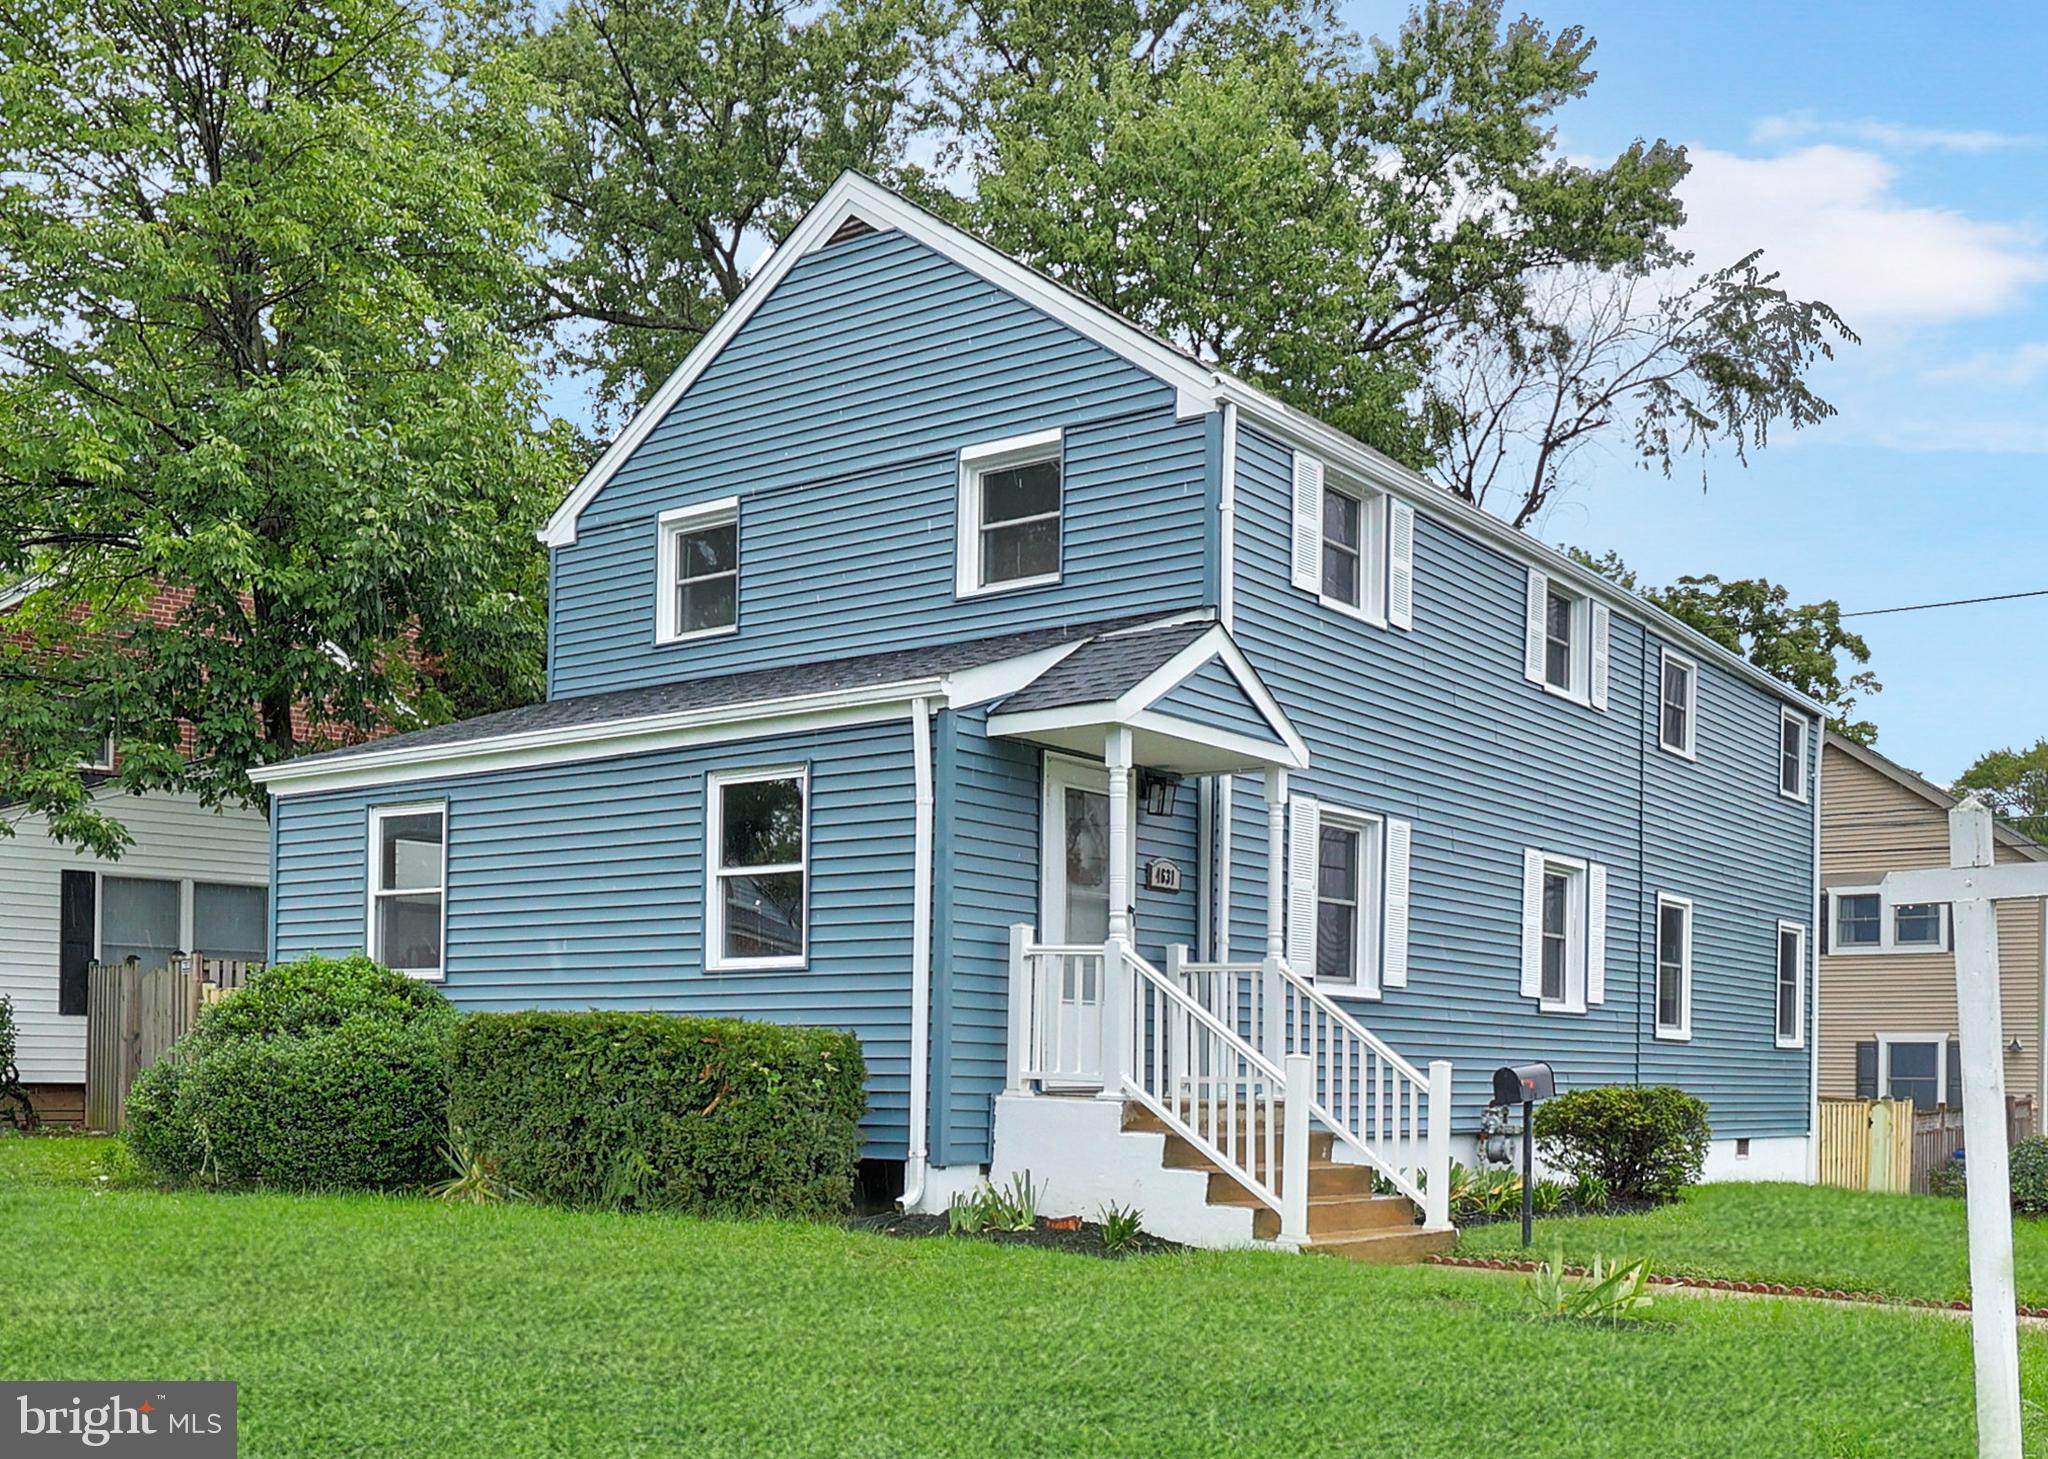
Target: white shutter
1304,826
1308,523
1596,933
1599,675
1400,564
1394,922
1539,598
1532,923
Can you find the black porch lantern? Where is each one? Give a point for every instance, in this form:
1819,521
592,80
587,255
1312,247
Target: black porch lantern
1158,788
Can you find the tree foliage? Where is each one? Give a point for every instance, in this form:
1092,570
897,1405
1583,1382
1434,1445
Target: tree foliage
255,266
2015,785
1802,645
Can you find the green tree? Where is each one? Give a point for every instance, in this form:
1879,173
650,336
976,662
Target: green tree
256,260
2015,784
1802,645
683,136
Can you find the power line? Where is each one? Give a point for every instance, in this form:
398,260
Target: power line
1951,603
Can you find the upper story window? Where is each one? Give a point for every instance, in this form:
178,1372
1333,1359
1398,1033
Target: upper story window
1354,548
1565,635
1674,968
102,755
1858,923
698,591
1343,547
1791,985
408,887
1677,704
1010,508
756,842
1792,755
1564,931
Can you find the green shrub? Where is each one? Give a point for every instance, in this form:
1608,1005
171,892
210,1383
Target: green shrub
1947,1179
1640,1141
2030,1175
645,1110
321,1074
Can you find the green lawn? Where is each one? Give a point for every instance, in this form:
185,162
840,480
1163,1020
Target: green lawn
1812,1236
362,1325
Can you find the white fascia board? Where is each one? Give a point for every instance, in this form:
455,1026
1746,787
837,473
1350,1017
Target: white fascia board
965,688
635,736
1390,475
856,196
1040,723
1215,644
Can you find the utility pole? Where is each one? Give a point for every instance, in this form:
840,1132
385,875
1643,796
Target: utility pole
1973,886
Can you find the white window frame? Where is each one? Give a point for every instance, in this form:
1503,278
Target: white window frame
1372,553
373,870
1786,717
1576,687
1887,927
1797,1038
975,462
188,929
1680,1032
1689,745
1588,665
672,526
102,760
1884,1061
1578,891
1368,922
715,781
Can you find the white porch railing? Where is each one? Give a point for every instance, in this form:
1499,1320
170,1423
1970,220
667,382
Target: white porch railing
1056,1023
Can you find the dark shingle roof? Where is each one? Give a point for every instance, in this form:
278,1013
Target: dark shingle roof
1104,668
783,681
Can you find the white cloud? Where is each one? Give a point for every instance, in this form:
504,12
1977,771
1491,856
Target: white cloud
1992,437
1895,136
1831,221
2009,368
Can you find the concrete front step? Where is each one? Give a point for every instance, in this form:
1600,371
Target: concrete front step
1388,1248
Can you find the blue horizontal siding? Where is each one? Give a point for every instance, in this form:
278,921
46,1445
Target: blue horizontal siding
582,886
1439,726
1212,696
836,415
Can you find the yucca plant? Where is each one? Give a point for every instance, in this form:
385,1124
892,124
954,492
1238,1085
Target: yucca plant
1609,1292
475,1180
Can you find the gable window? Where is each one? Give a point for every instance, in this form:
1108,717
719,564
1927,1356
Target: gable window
1792,756
756,830
1010,506
1674,968
1676,704
1791,1000
408,871
1564,923
1858,923
698,595
1566,650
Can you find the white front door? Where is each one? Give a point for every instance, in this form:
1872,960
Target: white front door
1074,892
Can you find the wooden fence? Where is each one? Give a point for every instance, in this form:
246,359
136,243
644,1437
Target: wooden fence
1887,1145
133,1015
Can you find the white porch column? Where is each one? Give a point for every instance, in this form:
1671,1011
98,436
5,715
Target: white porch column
1270,1031
1117,1037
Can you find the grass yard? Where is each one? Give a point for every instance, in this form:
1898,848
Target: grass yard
374,1326
1903,1246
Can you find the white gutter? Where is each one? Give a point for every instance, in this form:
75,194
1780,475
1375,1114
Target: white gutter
919,1154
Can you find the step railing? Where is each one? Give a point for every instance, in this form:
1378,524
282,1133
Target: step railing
1393,1116
1056,1022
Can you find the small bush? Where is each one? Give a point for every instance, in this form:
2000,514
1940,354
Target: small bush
1947,1179
321,1074
2030,1175
1641,1142
644,1110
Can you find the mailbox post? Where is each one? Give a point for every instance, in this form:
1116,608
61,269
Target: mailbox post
1524,1084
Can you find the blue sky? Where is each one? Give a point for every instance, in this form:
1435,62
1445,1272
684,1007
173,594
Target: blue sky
1893,161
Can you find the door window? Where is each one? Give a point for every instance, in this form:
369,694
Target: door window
1085,828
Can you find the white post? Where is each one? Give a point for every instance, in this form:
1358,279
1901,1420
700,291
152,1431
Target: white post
1436,1190
1116,1015
1994,1330
1177,1051
1116,1021
1020,1007
1272,1011
1294,1151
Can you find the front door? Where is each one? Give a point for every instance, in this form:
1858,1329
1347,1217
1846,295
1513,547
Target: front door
1074,892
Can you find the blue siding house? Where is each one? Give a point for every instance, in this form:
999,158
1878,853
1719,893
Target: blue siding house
1172,793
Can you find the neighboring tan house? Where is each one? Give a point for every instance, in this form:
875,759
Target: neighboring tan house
1888,988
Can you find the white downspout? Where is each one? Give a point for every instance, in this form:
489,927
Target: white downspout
917,1160
1813,946
1222,846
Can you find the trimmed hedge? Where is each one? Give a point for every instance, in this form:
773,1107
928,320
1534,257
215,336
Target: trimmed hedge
637,1111
321,1074
1643,1141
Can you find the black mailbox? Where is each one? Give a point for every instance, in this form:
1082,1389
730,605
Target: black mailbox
1523,1083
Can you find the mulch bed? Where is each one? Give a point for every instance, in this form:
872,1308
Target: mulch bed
1616,1206
1717,1284
1082,1239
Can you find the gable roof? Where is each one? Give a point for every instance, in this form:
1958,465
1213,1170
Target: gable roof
1104,668
1200,387
1935,795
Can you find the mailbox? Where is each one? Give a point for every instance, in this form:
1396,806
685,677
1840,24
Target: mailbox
1523,1083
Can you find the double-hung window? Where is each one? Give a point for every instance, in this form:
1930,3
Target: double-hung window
1564,931
1343,547
1557,934
698,592
1674,968
1560,633
1010,513
1677,704
757,835
408,888
1353,547
102,757
1792,755
1567,641
1791,1000
1858,925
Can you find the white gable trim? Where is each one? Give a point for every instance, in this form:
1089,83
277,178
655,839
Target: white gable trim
854,196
